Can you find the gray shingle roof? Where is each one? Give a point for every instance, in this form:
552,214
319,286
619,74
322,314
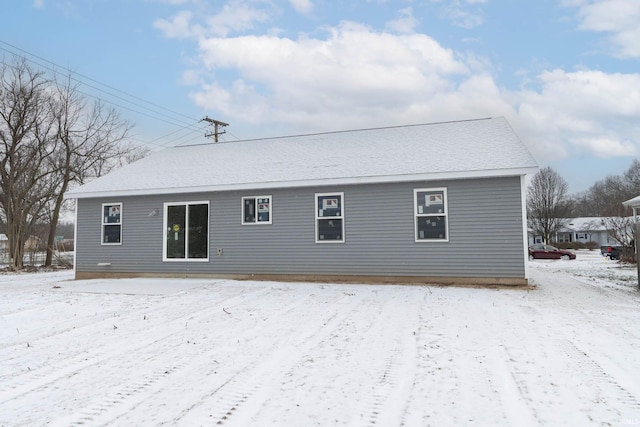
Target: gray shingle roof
450,150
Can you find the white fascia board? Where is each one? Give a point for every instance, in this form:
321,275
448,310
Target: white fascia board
306,183
635,202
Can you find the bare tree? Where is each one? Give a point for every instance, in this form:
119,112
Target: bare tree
632,178
621,229
547,203
26,143
581,205
619,224
50,138
605,198
89,144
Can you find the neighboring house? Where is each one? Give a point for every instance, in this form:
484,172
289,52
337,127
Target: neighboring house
635,205
433,203
583,230
33,243
4,243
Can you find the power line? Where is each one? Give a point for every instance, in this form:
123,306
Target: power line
87,78
184,124
106,92
199,131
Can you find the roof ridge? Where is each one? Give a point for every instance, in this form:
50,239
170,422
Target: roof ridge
337,132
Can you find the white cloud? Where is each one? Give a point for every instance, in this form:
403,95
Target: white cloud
240,96
235,17
174,2
461,15
584,112
179,26
302,6
618,18
405,23
191,78
38,4
605,146
355,77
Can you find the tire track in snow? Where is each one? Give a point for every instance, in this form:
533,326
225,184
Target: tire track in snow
454,380
277,364
606,389
386,383
268,365
78,322
127,394
233,389
46,375
516,398
376,383
384,403
427,342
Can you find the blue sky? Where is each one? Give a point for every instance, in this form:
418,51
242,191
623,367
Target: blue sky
565,73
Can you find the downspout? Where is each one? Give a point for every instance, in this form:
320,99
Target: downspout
75,241
636,245
525,240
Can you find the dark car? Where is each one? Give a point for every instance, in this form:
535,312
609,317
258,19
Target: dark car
541,251
613,252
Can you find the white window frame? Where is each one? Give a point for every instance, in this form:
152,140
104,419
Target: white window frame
256,222
417,214
103,223
165,211
320,217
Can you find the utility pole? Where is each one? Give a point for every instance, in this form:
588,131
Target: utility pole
217,124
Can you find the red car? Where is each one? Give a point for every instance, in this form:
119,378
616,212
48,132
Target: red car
541,251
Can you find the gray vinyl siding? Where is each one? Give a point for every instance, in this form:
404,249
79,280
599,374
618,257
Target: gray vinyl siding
484,223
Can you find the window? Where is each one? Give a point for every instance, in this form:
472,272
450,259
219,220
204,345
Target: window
256,210
112,223
430,206
329,217
186,234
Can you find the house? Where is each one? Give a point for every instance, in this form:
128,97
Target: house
582,230
4,248
634,204
431,203
32,244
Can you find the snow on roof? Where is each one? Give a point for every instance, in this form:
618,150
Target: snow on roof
448,150
633,203
589,223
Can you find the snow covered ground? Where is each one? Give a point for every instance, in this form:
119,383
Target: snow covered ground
219,352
